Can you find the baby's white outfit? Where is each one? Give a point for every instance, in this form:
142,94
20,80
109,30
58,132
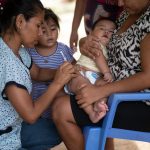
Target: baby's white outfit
93,73
89,63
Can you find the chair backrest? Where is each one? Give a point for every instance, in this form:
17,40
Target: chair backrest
95,137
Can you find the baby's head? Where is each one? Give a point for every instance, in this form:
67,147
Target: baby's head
103,29
50,29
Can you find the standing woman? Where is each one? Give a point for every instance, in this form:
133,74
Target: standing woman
128,56
20,25
91,10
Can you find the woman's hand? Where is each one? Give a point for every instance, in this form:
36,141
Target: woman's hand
100,82
73,39
90,46
65,72
88,94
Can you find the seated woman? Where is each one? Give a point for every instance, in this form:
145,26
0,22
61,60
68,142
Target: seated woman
128,58
20,24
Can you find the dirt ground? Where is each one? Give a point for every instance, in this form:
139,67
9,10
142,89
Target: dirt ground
119,145
65,10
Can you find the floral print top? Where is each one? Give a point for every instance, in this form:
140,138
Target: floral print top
12,71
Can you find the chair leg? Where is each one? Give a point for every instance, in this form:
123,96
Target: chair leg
92,138
102,141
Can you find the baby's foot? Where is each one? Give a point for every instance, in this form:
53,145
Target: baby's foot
100,106
99,111
96,116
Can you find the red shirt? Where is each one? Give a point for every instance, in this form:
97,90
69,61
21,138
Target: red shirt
2,2
110,2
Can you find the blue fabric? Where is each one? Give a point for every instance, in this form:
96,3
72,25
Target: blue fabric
40,135
13,71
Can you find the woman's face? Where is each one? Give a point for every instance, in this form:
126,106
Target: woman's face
31,30
134,6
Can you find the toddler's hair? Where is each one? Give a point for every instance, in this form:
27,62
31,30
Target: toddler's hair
49,14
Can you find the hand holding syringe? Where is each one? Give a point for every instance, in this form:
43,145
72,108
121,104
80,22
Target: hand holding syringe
64,57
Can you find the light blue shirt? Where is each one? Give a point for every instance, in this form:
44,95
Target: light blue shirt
12,71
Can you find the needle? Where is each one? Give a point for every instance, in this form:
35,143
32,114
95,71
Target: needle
65,59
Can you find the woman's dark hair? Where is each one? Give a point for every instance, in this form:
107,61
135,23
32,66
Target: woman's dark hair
12,8
49,14
101,19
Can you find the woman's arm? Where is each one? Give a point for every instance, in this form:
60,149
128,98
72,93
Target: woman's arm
89,94
30,110
89,46
78,14
41,74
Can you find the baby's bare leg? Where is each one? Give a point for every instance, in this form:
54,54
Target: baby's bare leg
94,116
96,111
76,82
99,108
100,105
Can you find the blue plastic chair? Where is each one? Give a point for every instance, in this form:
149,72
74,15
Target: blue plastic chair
95,137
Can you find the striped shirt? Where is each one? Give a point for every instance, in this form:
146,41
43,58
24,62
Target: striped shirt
52,61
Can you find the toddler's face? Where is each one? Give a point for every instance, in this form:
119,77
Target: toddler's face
50,34
104,30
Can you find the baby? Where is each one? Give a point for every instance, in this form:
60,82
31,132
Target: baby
95,71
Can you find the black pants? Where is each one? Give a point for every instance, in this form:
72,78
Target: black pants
129,115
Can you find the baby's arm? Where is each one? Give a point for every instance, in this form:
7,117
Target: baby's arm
103,67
